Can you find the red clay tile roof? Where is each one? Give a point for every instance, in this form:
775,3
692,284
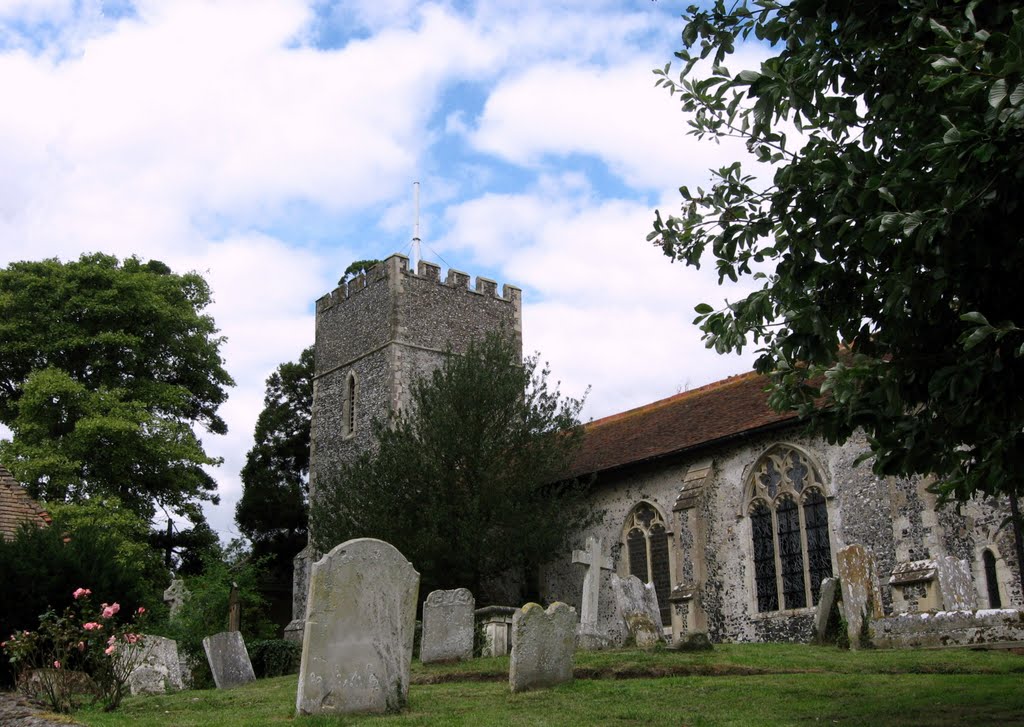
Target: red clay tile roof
16,507
679,423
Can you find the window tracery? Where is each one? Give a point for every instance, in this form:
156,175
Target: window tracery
648,553
789,529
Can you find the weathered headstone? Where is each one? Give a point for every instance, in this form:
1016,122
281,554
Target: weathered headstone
359,627
588,636
448,625
862,600
638,603
158,669
955,584
826,600
228,659
302,565
543,643
175,596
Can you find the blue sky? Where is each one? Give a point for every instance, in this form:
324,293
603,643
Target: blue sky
269,144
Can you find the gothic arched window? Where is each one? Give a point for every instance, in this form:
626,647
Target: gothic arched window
647,553
789,529
988,559
350,404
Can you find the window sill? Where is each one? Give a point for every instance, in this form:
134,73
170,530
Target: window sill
785,613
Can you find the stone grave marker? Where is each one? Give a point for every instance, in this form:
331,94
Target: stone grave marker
158,670
359,627
228,659
543,643
448,625
234,609
955,584
638,603
862,600
588,636
175,595
826,600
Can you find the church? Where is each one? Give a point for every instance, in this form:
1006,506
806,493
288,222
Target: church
726,506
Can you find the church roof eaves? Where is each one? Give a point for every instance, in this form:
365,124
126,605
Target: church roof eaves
688,421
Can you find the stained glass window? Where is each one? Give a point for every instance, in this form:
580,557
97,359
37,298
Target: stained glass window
660,571
789,526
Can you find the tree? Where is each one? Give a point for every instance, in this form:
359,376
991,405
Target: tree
888,241
272,510
359,267
104,369
468,483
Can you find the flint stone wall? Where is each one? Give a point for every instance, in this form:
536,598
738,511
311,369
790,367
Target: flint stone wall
543,644
448,625
359,627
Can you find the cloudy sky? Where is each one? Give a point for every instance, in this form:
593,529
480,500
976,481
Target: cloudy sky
269,144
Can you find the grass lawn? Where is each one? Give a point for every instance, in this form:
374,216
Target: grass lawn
748,684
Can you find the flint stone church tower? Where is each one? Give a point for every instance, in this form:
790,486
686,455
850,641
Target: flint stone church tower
374,336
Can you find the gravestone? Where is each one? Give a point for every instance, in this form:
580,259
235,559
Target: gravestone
638,603
826,600
543,643
448,625
862,600
359,627
228,659
175,596
496,622
588,636
955,584
158,670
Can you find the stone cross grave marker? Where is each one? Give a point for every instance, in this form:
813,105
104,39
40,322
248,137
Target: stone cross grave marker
638,603
359,626
448,624
175,595
543,643
595,563
228,659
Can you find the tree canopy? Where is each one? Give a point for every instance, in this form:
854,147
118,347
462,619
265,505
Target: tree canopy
105,366
272,510
468,483
887,240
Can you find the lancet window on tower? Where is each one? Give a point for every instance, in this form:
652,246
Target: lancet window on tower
350,404
647,553
789,528
988,559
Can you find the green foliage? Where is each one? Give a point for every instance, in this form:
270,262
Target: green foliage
104,368
42,567
205,611
889,227
272,509
274,657
359,267
468,482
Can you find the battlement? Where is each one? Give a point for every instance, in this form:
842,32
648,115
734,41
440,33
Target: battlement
397,266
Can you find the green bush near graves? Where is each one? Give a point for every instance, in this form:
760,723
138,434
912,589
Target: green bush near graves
736,684
274,657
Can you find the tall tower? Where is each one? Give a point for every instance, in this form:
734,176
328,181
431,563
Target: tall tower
374,336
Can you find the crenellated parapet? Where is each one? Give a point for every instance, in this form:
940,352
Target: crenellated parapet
397,267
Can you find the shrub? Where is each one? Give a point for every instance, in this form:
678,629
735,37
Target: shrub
274,657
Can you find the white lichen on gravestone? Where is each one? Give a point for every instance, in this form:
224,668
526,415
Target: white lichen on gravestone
543,644
359,625
448,624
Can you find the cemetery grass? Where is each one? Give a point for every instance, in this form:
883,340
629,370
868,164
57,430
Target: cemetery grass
749,684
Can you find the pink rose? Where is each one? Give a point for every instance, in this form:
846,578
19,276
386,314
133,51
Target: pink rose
92,625
56,665
112,639
131,638
79,592
81,646
141,610
110,649
110,610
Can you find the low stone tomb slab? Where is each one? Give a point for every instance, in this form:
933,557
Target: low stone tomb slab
228,659
448,626
543,644
359,628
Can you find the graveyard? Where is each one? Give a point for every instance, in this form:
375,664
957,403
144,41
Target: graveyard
734,684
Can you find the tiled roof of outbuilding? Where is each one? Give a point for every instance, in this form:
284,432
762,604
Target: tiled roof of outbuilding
686,421
16,507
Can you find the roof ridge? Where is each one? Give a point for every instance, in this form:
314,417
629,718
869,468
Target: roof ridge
654,405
